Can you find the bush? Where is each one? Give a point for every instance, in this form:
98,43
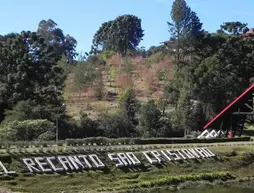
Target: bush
84,127
150,119
25,130
129,104
27,110
116,125
6,158
140,141
47,136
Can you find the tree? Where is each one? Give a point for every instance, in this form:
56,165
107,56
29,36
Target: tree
185,28
112,75
3,99
116,125
101,37
87,127
150,119
225,74
85,74
182,114
234,27
28,110
128,103
29,70
54,36
27,130
120,35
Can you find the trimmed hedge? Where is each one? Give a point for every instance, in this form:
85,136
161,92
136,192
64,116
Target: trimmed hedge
183,140
6,158
117,141
140,141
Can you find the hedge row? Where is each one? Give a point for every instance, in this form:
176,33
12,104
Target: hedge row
140,141
174,180
118,141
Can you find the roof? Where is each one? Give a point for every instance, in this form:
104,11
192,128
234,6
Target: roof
228,107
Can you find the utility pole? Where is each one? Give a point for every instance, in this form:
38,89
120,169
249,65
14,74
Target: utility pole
57,118
185,128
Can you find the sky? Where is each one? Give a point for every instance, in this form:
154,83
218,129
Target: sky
82,18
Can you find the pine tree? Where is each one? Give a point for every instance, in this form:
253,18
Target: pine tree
185,28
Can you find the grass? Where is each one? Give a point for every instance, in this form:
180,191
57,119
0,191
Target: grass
237,161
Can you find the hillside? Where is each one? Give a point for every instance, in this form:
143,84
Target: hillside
147,78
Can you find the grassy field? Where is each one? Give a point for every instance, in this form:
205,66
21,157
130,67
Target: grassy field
236,160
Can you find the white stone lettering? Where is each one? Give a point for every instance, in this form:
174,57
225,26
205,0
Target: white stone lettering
41,163
200,151
65,163
126,161
76,162
204,152
168,158
157,155
188,154
171,153
5,170
51,164
97,162
122,159
178,151
193,152
84,157
31,165
208,151
133,158
117,160
152,161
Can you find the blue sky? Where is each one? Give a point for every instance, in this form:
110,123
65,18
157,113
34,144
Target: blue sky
82,18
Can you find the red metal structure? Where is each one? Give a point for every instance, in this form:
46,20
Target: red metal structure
232,118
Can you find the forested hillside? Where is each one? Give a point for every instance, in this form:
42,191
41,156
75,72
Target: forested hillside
119,89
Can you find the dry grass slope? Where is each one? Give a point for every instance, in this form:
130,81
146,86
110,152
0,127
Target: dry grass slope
147,79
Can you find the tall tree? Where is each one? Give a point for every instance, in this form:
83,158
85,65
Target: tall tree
54,36
224,74
101,37
129,104
185,28
120,35
150,119
28,69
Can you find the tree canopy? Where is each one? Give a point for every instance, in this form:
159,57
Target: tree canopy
185,28
234,27
54,36
120,35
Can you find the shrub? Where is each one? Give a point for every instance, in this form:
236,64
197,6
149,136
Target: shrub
6,158
27,110
116,125
140,141
129,103
86,127
47,136
150,119
25,130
